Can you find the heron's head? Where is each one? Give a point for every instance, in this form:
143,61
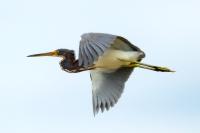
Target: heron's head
55,53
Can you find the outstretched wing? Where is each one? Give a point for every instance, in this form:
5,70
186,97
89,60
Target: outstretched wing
93,45
107,87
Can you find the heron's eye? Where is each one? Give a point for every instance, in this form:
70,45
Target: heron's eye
60,52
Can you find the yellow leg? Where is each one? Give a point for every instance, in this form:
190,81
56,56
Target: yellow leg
150,67
147,66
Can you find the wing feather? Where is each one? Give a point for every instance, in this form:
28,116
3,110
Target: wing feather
87,54
99,45
107,87
90,53
96,48
94,44
82,54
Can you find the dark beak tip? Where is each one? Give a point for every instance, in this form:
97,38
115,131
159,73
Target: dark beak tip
30,56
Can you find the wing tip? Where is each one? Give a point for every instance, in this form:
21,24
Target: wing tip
109,104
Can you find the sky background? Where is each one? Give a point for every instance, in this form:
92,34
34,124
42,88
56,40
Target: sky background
37,97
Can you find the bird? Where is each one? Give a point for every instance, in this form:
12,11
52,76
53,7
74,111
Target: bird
110,59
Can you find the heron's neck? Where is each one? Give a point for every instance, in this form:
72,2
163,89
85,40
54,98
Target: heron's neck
69,63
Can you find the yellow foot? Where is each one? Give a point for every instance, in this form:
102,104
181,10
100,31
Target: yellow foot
162,69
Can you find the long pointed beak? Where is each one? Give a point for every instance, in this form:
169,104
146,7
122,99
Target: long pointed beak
53,53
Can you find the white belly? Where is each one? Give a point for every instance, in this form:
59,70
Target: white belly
113,59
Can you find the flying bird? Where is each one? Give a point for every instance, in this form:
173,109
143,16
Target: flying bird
110,60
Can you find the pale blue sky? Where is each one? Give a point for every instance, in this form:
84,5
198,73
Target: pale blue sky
37,97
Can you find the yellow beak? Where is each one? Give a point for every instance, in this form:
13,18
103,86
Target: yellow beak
53,53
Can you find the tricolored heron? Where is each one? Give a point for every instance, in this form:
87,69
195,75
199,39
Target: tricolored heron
110,59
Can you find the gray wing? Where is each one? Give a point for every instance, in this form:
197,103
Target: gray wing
93,45
107,87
